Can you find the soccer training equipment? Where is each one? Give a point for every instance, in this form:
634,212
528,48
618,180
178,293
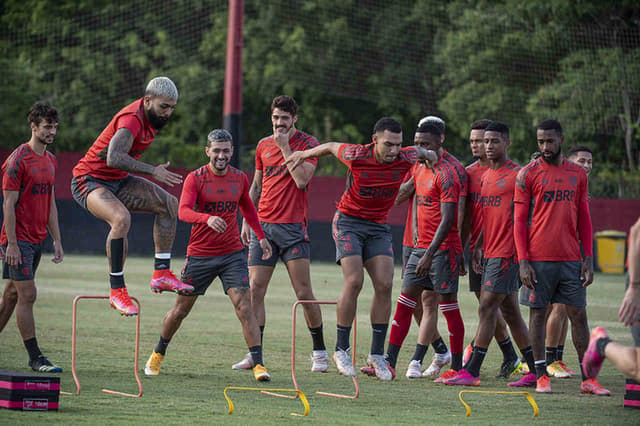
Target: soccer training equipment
320,361
414,371
43,365
593,387
382,369
343,362
446,375
508,367
269,391
543,385
165,280
121,302
528,381
438,362
260,373
556,370
245,364
152,367
532,401
592,362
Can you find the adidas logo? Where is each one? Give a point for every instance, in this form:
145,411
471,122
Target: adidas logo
394,323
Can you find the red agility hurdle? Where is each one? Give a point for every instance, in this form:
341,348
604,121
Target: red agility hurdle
73,349
293,353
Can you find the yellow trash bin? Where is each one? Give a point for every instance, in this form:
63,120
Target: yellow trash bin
610,246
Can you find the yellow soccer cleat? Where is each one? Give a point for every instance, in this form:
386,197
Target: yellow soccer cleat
260,373
152,367
555,369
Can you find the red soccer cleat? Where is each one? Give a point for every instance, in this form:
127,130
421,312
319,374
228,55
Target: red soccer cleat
592,362
593,387
165,280
120,301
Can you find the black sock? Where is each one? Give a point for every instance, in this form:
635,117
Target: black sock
540,368
456,361
527,355
477,358
581,370
161,261
550,354
392,354
559,352
32,348
318,338
161,347
602,343
421,351
439,346
116,262
508,352
342,341
379,335
261,334
256,354
473,343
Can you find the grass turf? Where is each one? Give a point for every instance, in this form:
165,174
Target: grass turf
196,369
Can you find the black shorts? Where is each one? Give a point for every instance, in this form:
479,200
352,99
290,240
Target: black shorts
201,271
288,241
360,237
558,282
443,274
30,254
501,275
82,186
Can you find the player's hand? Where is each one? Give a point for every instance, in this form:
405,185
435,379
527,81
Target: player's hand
424,264
630,307
527,275
586,274
431,160
58,253
266,249
12,255
163,175
294,160
476,261
217,223
245,235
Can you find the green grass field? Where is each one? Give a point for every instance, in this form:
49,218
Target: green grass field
197,366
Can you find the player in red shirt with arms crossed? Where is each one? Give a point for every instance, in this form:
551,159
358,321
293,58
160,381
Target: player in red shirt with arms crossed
280,194
210,200
499,270
102,185
361,232
29,209
551,199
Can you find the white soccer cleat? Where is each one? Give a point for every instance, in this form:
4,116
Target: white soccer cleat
380,366
414,371
439,361
320,361
343,362
245,364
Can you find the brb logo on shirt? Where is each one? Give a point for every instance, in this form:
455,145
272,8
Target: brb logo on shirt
275,171
559,195
377,193
41,188
491,201
220,207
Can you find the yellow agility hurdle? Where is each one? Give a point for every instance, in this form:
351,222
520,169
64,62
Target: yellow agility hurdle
527,395
299,395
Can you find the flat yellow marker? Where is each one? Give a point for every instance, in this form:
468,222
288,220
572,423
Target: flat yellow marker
299,394
527,395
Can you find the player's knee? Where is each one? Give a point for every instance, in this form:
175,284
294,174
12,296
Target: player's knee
28,296
10,295
120,222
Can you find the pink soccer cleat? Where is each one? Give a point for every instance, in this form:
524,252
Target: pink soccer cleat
165,280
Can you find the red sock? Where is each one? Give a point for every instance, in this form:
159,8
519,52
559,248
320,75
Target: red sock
402,319
451,312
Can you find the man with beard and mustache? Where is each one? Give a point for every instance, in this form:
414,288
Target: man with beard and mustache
551,199
210,200
280,194
29,209
102,185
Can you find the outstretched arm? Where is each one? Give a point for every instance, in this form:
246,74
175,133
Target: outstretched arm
298,157
300,175
405,192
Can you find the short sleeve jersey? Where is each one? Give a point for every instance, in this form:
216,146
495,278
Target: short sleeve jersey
496,199
553,195
434,187
33,176
281,201
218,196
372,187
474,173
461,173
131,117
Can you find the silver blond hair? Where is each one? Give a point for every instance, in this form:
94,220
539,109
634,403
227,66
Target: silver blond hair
162,86
432,119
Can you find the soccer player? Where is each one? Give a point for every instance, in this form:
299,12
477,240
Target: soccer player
551,199
210,200
557,321
470,230
625,358
433,266
102,185
29,209
500,283
361,232
280,193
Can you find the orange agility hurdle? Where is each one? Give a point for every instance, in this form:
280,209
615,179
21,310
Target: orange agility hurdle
73,349
293,353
